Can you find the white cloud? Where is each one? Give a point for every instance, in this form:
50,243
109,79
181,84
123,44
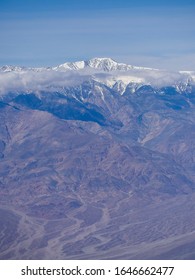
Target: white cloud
29,80
36,81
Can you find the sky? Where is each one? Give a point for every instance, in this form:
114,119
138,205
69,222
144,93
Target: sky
159,34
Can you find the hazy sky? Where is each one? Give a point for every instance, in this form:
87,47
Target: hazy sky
158,34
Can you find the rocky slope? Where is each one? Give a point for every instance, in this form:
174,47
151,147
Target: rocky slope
97,156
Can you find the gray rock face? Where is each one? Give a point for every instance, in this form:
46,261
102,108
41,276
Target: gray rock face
89,173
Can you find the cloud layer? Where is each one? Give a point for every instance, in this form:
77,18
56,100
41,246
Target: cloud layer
25,81
50,80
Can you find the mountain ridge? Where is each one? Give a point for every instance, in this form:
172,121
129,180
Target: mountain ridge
101,63
97,164
104,63
103,70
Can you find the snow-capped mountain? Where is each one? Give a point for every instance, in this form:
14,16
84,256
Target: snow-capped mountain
9,68
12,68
92,155
103,70
105,64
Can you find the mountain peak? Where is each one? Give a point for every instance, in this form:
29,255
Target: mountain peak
101,63
104,63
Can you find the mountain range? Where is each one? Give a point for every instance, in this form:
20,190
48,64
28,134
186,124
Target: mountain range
97,162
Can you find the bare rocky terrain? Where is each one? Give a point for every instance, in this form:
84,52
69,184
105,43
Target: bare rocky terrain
94,174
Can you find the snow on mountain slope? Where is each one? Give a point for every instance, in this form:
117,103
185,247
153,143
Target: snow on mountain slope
91,160
12,68
105,64
103,70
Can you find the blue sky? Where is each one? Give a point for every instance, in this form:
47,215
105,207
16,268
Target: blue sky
158,34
